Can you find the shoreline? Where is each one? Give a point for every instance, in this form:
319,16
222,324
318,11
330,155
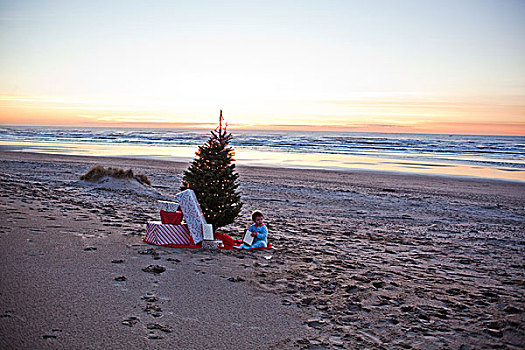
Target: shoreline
387,173
362,260
245,156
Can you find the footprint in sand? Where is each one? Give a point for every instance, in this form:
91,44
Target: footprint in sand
154,269
153,310
155,336
165,329
150,298
130,321
236,279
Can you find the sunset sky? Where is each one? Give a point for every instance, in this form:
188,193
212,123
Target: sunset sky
393,65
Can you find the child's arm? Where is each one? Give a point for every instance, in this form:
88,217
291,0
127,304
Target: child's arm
262,233
253,230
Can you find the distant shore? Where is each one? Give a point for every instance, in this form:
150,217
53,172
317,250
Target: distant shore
363,259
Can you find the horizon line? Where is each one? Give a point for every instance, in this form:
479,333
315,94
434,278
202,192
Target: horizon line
362,128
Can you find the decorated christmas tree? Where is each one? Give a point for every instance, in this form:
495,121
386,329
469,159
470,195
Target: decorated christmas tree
213,178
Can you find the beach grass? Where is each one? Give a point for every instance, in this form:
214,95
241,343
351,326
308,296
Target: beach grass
98,172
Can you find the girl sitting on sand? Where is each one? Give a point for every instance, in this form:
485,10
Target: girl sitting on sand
259,232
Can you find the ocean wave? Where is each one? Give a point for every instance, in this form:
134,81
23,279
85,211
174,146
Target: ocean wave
493,151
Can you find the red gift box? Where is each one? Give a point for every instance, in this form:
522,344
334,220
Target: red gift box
172,218
176,236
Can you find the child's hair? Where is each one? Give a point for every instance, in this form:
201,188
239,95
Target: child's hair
257,214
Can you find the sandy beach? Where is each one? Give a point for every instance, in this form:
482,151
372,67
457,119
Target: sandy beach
362,260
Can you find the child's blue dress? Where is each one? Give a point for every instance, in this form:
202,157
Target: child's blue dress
260,241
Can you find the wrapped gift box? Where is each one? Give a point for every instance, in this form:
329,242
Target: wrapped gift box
169,235
192,213
166,206
169,212
207,232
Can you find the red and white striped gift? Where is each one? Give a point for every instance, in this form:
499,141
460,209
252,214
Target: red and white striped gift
169,235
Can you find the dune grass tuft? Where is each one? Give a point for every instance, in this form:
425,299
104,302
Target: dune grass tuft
143,179
98,172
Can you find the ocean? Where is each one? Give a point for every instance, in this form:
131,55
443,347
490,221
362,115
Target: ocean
495,157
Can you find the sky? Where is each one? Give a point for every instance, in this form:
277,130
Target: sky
438,66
